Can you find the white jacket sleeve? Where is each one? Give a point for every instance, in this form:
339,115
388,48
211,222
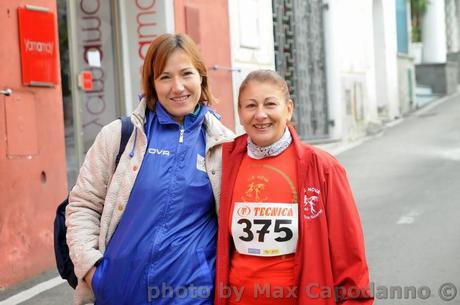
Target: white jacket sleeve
86,200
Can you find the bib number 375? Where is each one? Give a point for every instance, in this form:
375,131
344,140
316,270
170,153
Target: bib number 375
265,229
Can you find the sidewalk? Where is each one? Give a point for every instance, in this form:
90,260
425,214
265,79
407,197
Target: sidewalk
46,288
338,147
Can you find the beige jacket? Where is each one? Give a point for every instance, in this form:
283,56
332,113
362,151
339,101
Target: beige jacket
98,199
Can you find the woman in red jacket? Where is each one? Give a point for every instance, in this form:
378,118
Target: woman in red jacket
289,230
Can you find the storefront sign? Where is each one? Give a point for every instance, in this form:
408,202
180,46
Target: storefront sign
37,39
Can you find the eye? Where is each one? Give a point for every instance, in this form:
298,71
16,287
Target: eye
163,77
250,106
189,73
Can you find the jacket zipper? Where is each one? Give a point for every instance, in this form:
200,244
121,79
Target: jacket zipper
181,135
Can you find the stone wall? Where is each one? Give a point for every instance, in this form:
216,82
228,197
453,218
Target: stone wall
441,78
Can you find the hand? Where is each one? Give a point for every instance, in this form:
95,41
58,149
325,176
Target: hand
89,277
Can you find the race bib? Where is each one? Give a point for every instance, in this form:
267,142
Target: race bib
265,229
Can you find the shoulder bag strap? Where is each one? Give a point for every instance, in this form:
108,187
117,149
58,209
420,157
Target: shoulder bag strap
126,130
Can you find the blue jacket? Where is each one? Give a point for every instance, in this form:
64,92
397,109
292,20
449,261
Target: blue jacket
163,250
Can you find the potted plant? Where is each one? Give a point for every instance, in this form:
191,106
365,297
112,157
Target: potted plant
418,9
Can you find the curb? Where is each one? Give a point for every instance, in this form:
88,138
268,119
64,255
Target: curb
345,146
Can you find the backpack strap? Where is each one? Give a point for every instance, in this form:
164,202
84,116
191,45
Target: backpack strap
126,131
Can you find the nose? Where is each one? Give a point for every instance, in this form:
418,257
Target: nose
260,113
177,85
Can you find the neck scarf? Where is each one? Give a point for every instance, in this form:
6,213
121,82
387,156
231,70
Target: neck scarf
259,152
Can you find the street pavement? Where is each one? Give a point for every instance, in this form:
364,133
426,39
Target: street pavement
407,186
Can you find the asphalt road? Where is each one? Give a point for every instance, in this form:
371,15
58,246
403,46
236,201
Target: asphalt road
407,186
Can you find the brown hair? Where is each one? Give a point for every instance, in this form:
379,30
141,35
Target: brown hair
265,76
155,61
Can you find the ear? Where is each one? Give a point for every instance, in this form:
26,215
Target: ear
290,108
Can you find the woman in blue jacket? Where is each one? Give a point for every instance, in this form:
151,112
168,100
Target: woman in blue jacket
147,232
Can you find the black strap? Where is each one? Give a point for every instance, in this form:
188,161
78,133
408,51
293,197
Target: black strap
126,130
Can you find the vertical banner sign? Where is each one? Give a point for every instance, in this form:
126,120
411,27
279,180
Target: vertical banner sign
144,21
94,35
37,39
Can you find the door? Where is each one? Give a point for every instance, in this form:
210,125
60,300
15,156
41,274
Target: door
299,58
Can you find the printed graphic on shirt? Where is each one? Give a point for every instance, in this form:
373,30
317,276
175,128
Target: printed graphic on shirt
200,163
265,229
255,189
311,205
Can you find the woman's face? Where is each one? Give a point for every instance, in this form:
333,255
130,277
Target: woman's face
264,112
178,87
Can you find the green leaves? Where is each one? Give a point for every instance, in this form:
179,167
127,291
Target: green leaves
418,9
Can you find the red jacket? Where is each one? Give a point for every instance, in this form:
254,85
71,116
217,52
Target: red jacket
330,261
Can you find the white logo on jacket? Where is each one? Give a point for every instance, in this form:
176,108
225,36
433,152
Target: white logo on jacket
157,151
311,206
200,163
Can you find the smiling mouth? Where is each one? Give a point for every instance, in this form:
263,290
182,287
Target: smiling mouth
179,99
262,126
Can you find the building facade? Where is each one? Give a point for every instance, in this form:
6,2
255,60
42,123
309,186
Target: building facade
439,67
32,157
252,46
109,39
406,61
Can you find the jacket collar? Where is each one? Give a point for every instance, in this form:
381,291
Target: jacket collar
240,144
299,146
189,121
216,132
138,116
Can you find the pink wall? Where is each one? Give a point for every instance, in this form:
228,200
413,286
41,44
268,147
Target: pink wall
32,158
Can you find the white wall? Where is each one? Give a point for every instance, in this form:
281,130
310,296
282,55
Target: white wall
252,44
391,58
434,33
355,82
350,64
